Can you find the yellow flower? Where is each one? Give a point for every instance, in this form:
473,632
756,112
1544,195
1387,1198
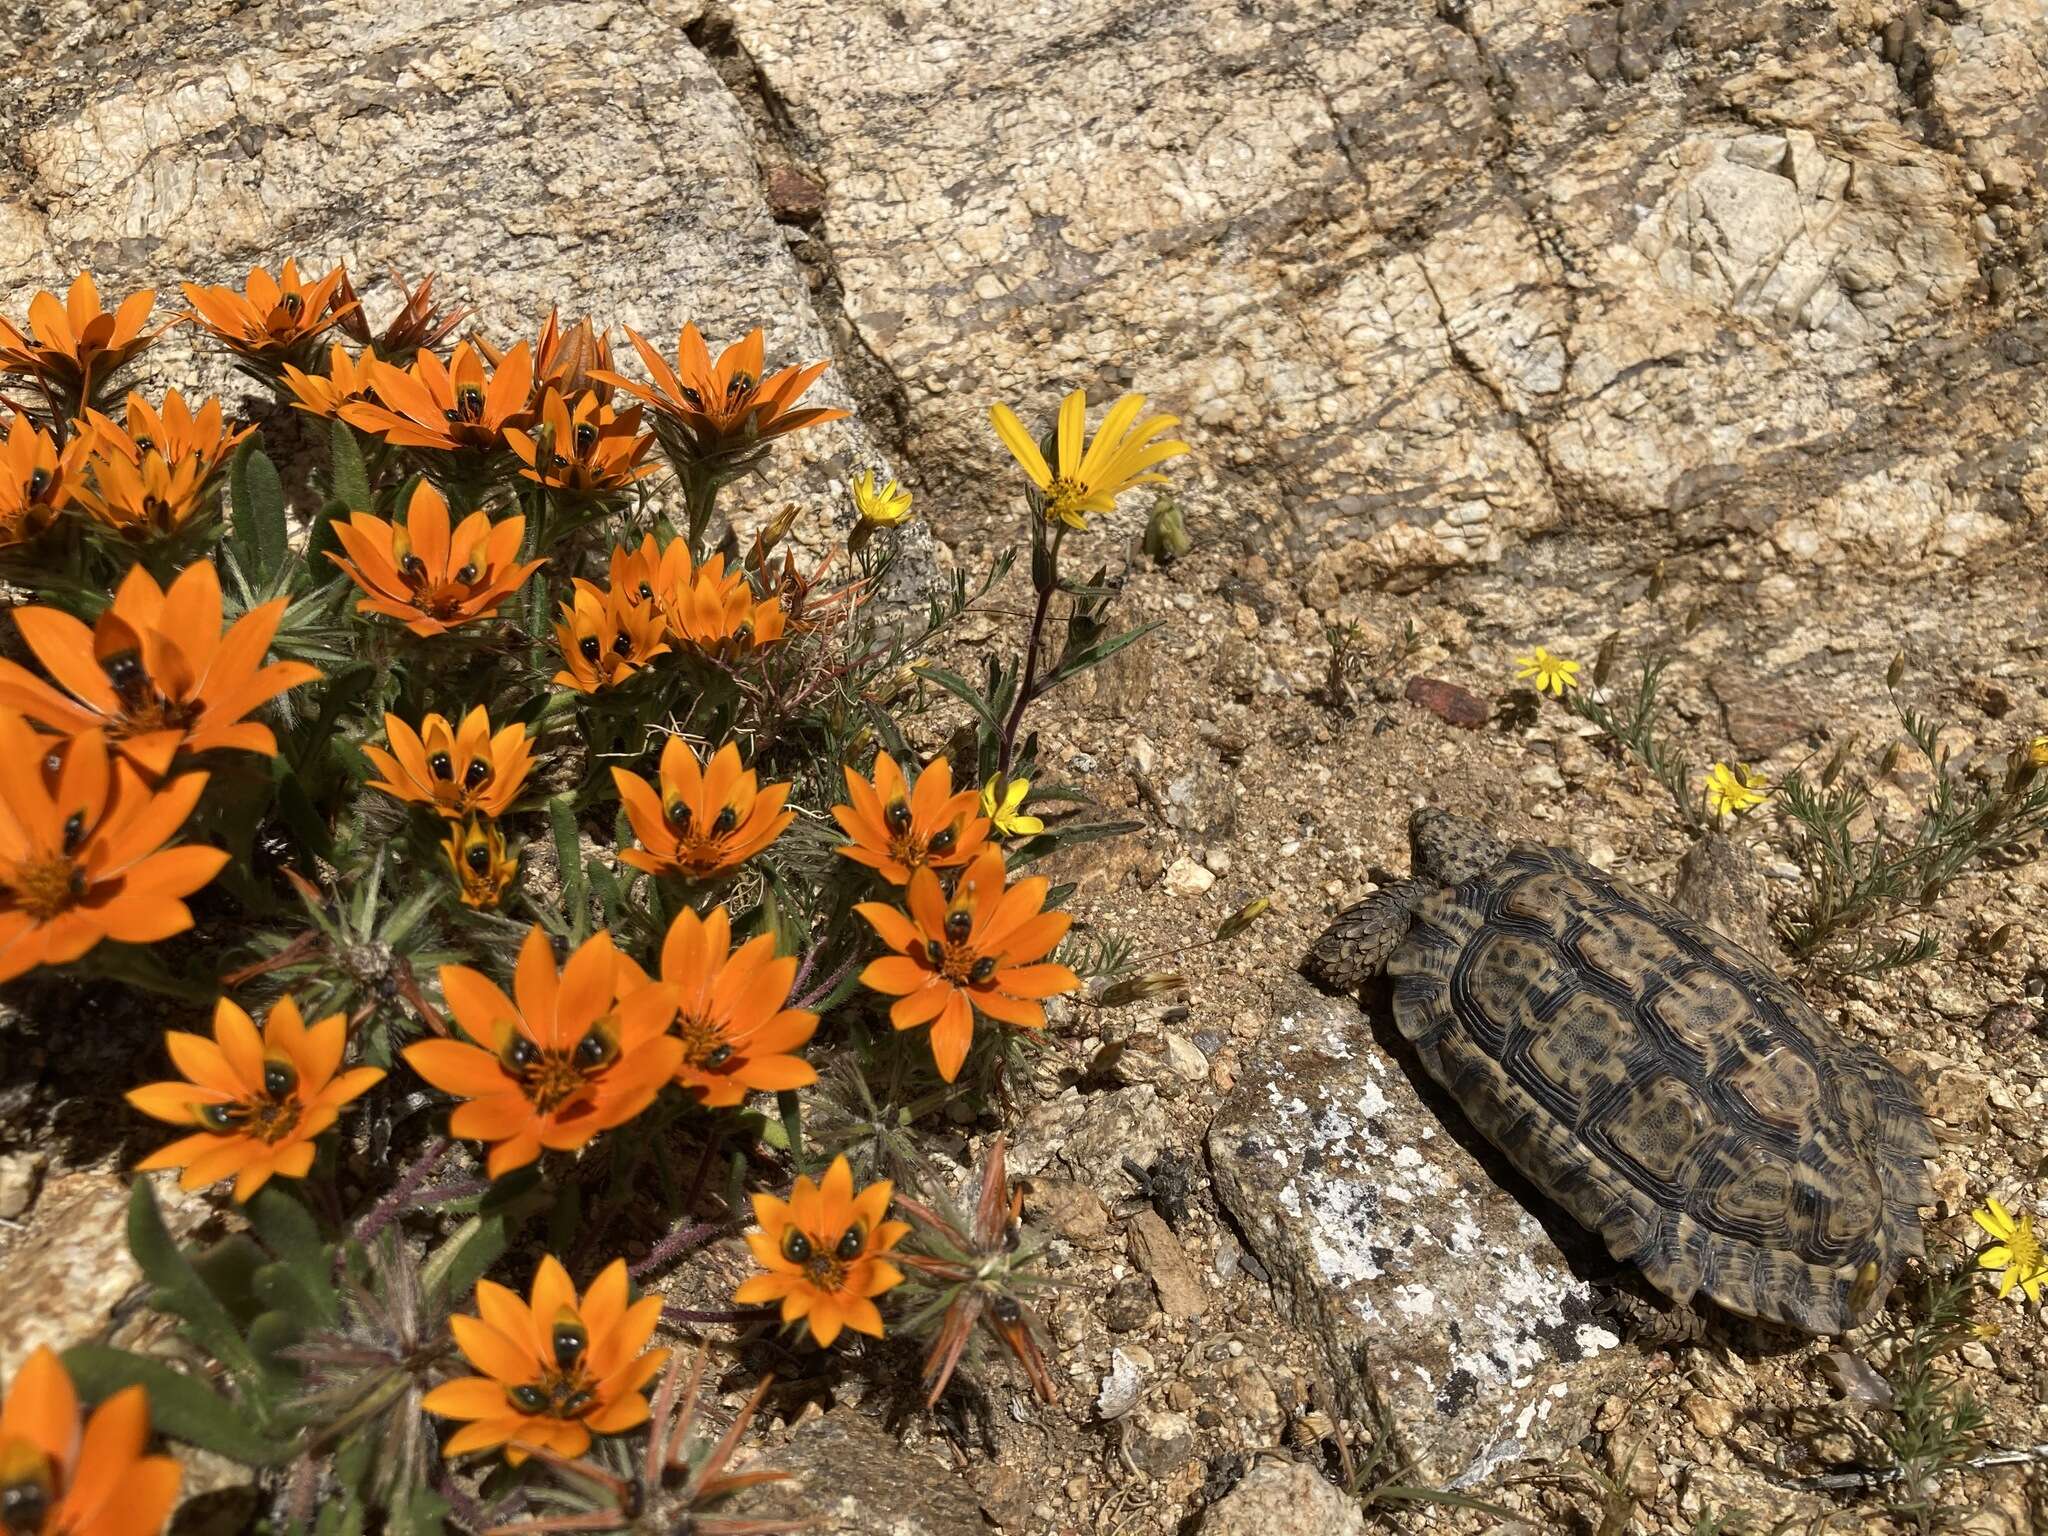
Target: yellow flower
2037,751
1006,810
2016,1254
1732,791
1120,457
884,506
1552,674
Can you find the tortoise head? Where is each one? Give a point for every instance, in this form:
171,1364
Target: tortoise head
1449,849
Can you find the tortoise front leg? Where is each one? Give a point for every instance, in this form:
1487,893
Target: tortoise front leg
1362,939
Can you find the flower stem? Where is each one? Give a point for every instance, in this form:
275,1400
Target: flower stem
1045,576
736,1315
381,1214
679,1242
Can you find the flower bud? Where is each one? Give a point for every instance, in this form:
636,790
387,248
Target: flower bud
1166,532
1135,989
1243,917
1896,671
1889,761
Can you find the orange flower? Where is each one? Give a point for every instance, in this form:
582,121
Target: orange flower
345,382
56,1481
75,345
972,954
260,1101
427,577
571,1058
82,854
897,830
417,324
456,772
636,573
274,318
586,447
605,639
36,479
447,405
556,1369
565,357
725,408
714,609
823,1251
175,433
156,671
739,1034
145,499
706,821
483,869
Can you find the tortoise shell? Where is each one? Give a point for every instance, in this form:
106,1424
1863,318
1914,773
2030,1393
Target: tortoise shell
1663,1085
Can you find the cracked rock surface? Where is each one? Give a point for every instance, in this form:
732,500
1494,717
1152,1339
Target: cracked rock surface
1717,326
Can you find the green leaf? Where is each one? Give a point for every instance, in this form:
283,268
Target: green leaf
306,823
228,1270
962,689
348,477
475,1246
340,695
569,854
790,1108
1099,652
259,532
180,1406
181,1290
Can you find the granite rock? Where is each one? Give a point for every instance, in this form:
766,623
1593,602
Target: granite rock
1434,1293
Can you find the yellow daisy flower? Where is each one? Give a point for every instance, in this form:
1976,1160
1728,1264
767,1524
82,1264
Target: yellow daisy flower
1005,809
2037,751
882,506
1732,791
1552,674
2016,1254
1121,456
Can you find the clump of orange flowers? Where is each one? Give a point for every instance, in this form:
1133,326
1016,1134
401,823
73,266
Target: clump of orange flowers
447,406
82,849
37,479
568,1055
156,671
273,320
60,1479
454,771
704,822
980,952
72,347
896,830
733,1016
554,1368
257,1103
824,1252
431,578
717,410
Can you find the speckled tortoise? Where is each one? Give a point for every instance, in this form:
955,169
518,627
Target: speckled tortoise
1654,1078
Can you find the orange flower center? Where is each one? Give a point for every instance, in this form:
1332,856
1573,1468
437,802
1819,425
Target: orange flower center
704,1044
825,1265
701,850
955,957
269,1116
143,706
1063,495
555,1394
551,1079
28,1487
47,887
909,849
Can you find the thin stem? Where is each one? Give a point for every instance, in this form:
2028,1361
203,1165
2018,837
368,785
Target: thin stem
824,989
381,1214
740,1315
441,1194
1047,581
679,1242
